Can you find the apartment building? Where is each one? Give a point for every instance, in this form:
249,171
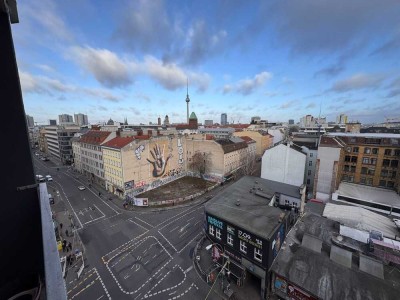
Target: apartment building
365,158
262,138
91,158
42,142
58,139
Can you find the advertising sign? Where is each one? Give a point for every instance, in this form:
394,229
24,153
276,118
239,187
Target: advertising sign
297,294
141,201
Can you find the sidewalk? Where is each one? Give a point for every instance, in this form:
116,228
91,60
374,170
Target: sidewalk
205,265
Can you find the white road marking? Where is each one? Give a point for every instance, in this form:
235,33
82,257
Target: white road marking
187,244
130,220
73,210
188,269
144,222
183,228
175,228
100,297
172,293
167,240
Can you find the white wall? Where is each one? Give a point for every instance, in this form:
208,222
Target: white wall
283,164
278,135
327,157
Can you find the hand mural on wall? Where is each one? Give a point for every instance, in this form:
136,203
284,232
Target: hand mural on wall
159,163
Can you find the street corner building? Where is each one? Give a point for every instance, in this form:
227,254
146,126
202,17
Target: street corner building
247,227
323,259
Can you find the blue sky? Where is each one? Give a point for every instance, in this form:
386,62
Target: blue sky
277,59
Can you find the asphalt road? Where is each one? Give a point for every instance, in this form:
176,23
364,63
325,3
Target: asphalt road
129,254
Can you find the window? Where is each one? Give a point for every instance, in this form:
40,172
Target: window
390,184
351,179
211,230
394,163
369,181
397,152
367,150
229,239
354,159
388,151
363,180
386,163
310,163
309,172
375,150
364,170
257,254
347,158
355,149
365,160
311,154
243,247
308,181
382,183
373,161
218,233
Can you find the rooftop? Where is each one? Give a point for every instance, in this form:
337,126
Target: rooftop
253,213
369,194
316,273
330,141
94,137
119,142
361,218
230,146
248,139
365,135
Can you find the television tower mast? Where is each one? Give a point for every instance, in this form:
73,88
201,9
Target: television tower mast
187,101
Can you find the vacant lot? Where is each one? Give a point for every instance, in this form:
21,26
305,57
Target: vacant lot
180,188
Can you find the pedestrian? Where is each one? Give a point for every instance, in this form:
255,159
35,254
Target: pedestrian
66,232
61,225
68,259
64,244
99,194
69,246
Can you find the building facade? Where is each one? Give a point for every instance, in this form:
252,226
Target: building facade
58,139
368,159
91,154
65,119
208,122
81,119
262,138
218,133
29,121
246,239
224,119
285,164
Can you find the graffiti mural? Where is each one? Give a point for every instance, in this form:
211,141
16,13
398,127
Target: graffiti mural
180,151
160,162
138,152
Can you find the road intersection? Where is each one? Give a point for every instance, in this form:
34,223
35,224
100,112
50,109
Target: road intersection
129,254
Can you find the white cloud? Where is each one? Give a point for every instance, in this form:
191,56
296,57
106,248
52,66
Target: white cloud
248,86
358,82
104,65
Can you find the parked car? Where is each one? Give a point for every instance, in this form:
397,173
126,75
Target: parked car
51,199
40,178
81,188
49,178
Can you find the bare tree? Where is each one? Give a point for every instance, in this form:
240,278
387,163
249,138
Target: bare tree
248,164
201,162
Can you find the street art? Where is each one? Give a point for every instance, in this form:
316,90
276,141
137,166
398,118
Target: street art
277,242
159,163
138,152
180,151
139,184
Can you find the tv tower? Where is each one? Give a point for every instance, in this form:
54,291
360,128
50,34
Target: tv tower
187,101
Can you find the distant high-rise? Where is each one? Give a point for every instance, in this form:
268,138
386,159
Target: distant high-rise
291,122
81,119
341,119
224,119
29,121
52,122
159,121
208,122
166,120
65,119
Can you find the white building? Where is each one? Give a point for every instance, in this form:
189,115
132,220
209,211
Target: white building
284,164
218,133
327,167
29,121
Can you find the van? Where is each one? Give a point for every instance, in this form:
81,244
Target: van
40,178
51,199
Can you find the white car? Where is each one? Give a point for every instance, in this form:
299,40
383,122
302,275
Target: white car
81,188
49,178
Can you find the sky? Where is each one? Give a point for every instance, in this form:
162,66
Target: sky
276,59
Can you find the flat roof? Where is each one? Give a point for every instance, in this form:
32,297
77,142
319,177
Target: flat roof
361,219
365,135
369,194
253,214
318,274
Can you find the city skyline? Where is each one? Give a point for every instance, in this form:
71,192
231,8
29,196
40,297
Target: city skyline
244,59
